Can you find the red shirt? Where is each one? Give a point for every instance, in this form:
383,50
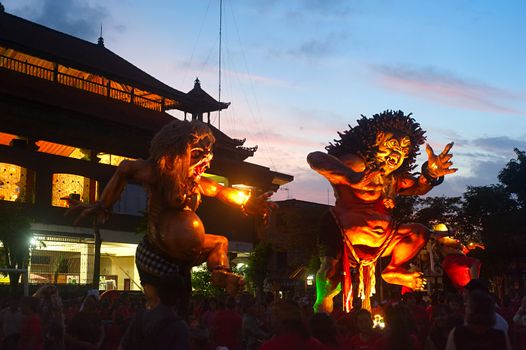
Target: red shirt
226,329
457,268
31,334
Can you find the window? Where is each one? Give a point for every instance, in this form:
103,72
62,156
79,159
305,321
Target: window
73,186
63,150
16,183
132,201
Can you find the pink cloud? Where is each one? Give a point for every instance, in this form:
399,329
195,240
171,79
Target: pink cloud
446,88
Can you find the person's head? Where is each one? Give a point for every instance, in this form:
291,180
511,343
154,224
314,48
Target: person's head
474,284
169,289
364,321
286,317
322,327
47,292
480,309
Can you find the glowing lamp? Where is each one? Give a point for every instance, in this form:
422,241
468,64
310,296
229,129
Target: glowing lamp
378,321
310,280
240,197
440,228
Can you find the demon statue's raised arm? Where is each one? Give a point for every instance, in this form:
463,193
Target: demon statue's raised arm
176,240
368,167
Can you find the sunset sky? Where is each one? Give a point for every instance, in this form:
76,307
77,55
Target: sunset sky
298,71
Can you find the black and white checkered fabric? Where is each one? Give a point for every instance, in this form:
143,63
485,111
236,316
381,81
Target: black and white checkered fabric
149,261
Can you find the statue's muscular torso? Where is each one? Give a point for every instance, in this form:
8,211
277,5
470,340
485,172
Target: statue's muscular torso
361,210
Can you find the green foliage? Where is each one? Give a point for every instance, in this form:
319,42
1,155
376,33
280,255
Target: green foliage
202,284
481,204
513,176
258,262
405,208
434,210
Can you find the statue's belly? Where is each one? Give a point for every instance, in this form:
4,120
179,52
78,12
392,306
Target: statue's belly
181,234
368,228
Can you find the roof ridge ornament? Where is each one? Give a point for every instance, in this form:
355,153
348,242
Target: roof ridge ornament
100,42
2,8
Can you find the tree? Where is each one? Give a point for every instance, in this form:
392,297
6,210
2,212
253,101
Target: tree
434,210
404,209
513,176
15,235
482,203
257,268
202,284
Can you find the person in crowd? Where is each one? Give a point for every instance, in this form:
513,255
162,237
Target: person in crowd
52,316
520,316
209,312
11,319
253,331
31,333
289,330
455,302
441,325
85,330
478,331
323,328
475,284
367,336
160,327
400,330
226,327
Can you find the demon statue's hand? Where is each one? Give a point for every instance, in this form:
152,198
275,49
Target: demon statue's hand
438,166
259,206
83,210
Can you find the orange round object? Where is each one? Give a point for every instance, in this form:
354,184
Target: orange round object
181,234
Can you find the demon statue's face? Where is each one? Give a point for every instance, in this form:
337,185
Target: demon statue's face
200,157
393,149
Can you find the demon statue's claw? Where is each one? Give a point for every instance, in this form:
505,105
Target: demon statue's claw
232,282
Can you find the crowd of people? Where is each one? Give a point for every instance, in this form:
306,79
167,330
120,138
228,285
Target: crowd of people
472,319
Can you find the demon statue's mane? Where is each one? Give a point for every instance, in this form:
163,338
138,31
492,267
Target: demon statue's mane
361,139
170,152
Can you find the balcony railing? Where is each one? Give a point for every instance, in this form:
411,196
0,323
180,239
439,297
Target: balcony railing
79,83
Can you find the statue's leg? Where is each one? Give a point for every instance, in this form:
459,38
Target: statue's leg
327,284
406,244
215,253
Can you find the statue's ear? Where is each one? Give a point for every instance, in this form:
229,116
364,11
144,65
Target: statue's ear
379,138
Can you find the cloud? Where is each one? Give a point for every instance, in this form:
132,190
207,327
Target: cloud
314,49
502,145
483,173
446,88
75,17
320,8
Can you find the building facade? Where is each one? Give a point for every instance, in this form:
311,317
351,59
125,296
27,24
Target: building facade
70,112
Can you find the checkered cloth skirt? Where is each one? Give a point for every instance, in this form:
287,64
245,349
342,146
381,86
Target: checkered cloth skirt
149,261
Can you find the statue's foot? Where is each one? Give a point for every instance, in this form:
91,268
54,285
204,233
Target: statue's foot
325,305
413,280
230,281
